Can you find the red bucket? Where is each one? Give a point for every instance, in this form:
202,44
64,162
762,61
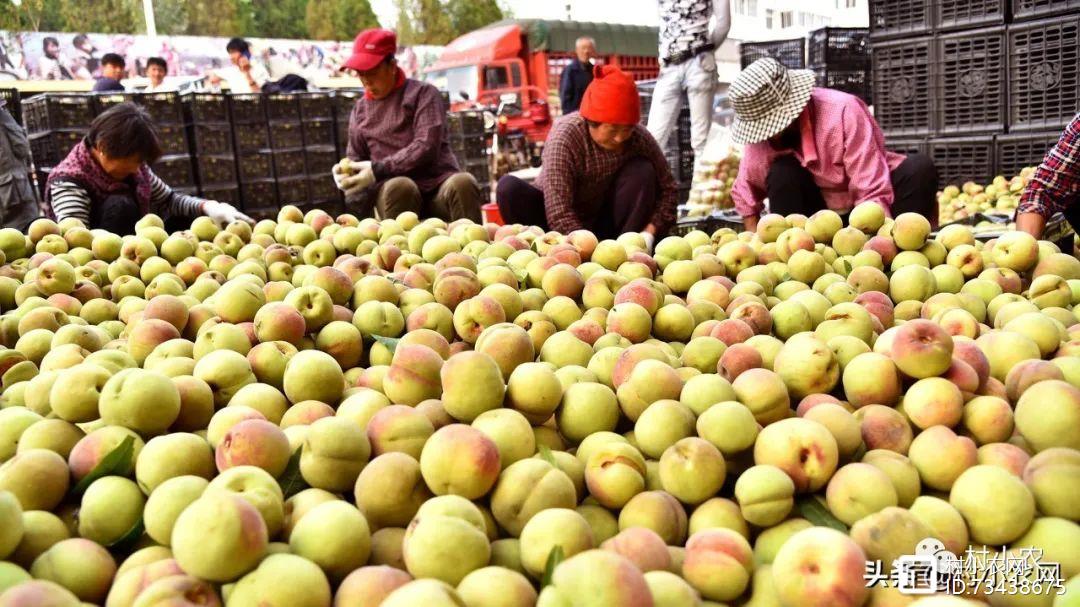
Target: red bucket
491,213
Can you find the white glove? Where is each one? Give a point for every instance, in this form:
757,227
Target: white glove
223,214
650,240
352,177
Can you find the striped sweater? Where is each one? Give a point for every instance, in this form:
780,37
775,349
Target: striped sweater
69,199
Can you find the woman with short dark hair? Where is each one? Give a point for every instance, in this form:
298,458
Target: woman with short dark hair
106,180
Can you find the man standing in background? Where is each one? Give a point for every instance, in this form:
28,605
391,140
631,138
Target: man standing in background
156,68
690,33
577,76
112,71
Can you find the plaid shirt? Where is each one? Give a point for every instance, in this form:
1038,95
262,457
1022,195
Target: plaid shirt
576,175
842,147
404,134
1056,183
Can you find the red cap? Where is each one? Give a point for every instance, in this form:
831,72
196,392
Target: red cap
611,98
370,48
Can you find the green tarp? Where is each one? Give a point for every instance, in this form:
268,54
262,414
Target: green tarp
611,38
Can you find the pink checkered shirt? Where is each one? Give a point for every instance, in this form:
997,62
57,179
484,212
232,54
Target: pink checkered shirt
842,147
576,175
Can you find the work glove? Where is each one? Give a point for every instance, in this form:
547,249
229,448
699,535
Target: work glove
223,214
353,177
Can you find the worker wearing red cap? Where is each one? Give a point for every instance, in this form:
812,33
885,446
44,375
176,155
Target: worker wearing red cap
602,170
399,155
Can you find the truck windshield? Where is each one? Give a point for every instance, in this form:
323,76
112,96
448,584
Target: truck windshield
456,81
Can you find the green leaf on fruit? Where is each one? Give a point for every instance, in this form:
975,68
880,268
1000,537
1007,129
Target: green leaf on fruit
814,510
129,538
554,558
389,342
847,266
116,463
522,277
291,481
545,454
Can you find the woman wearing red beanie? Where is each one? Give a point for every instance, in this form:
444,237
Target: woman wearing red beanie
602,170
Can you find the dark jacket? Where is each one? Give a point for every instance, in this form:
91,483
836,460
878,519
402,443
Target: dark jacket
575,79
107,85
18,199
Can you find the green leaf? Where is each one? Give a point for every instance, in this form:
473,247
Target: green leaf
390,342
130,537
545,454
554,558
847,266
291,480
522,277
116,463
814,510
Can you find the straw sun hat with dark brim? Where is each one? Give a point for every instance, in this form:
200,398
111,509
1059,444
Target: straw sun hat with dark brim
767,98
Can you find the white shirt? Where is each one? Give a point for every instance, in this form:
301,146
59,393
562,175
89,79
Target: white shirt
684,25
164,87
238,82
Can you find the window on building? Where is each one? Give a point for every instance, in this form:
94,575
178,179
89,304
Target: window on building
769,13
751,8
850,3
786,19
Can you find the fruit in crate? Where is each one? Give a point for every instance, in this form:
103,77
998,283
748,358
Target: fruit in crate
711,188
1000,197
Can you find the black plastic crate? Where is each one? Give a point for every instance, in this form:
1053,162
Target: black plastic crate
791,53
1037,9
254,165
468,147
898,18
13,103
289,163
164,107
962,159
48,149
318,132
961,14
480,169
104,101
175,170
205,107
969,82
344,101
222,192
322,188
254,136
467,123
902,83
316,106
173,139
1044,73
849,80
1018,151
212,138
51,111
216,169
282,106
259,194
285,135
41,178
836,47
908,147
293,190
320,160
247,108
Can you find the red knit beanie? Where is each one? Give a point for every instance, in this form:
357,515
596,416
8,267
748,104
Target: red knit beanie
611,98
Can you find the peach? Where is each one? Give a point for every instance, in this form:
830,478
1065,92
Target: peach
941,456
471,384
82,566
219,537
944,521
764,393
805,450
399,428
1048,415
368,586
692,470
658,511
736,359
884,428
841,423
718,564
413,375
609,578
1028,373
641,546
889,534
988,419
254,442
1004,455
732,331
460,460
509,345
921,349
614,473
996,505
934,401
858,490
1051,478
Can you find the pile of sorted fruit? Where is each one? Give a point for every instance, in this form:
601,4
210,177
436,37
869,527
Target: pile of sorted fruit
1000,197
711,188
317,412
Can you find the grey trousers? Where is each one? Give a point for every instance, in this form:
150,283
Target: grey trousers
457,198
